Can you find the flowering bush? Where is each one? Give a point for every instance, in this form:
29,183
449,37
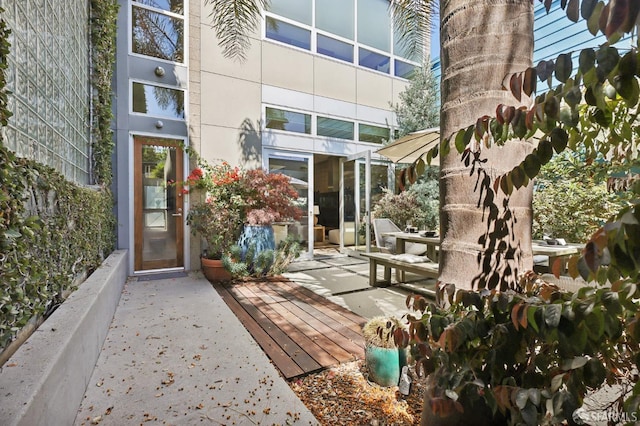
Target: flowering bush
233,197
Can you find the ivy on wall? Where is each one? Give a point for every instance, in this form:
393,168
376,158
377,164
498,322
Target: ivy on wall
54,232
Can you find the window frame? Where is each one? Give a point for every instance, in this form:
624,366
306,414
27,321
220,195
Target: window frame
165,86
185,29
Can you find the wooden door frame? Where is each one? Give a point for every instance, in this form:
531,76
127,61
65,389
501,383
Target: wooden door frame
139,265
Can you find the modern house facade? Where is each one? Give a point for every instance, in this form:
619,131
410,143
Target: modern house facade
316,88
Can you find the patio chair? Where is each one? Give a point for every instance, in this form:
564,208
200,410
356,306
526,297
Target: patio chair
387,243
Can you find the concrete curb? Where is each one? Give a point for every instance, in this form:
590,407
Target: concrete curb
44,382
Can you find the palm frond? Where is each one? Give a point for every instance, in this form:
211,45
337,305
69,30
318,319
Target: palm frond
232,21
412,21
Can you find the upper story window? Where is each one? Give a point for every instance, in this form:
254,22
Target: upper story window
279,119
300,122
354,31
157,101
373,134
157,29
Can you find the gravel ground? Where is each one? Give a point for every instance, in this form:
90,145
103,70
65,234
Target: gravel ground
343,396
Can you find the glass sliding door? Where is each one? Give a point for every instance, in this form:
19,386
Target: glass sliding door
299,167
362,185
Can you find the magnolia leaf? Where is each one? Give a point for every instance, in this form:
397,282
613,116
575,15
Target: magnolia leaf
619,10
529,83
515,84
572,267
559,139
573,10
506,184
420,167
628,89
557,268
628,64
451,394
544,151
608,58
534,396
591,256
460,142
521,398
587,8
556,382
532,165
587,60
518,176
564,66
574,363
573,96
552,315
515,313
593,22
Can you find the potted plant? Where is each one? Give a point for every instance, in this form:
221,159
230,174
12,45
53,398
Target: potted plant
237,207
217,216
384,358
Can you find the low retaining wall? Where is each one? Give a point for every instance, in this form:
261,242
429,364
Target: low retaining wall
44,381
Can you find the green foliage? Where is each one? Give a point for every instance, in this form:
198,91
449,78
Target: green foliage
379,331
570,201
419,106
530,357
52,233
104,14
262,263
418,206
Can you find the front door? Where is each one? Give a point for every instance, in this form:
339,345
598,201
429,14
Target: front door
158,200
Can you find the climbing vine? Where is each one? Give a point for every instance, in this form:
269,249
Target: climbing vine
53,233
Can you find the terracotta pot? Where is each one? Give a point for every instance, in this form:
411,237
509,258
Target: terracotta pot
213,270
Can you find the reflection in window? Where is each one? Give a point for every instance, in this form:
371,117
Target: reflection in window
287,33
298,10
333,128
374,134
336,17
376,33
403,69
157,35
158,101
335,48
288,120
175,6
374,60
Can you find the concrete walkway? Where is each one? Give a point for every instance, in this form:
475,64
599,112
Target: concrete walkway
176,355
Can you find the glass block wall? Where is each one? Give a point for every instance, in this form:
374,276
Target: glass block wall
48,77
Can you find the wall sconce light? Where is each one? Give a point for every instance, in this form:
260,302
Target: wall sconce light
159,71
159,124
316,212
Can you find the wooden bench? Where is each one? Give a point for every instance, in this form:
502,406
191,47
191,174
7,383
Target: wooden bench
427,269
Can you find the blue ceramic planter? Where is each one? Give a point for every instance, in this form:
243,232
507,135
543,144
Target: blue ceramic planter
260,236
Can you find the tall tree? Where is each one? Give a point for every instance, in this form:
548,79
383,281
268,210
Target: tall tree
419,106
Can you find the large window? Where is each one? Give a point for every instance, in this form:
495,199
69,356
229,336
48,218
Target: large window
332,128
49,85
336,17
373,134
374,24
337,28
157,33
175,6
290,121
158,101
287,33
299,122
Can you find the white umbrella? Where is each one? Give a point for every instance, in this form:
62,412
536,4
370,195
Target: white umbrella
412,146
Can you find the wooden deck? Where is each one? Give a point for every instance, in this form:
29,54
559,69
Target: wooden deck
299,330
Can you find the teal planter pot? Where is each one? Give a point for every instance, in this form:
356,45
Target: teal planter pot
385,364
259,236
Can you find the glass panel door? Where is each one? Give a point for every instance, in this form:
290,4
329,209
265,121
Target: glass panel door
158,200
363,185
299,167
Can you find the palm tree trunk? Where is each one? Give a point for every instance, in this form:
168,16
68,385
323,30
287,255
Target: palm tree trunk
486,237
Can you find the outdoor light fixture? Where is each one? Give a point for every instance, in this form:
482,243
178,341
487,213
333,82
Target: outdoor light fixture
159,71
316,212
